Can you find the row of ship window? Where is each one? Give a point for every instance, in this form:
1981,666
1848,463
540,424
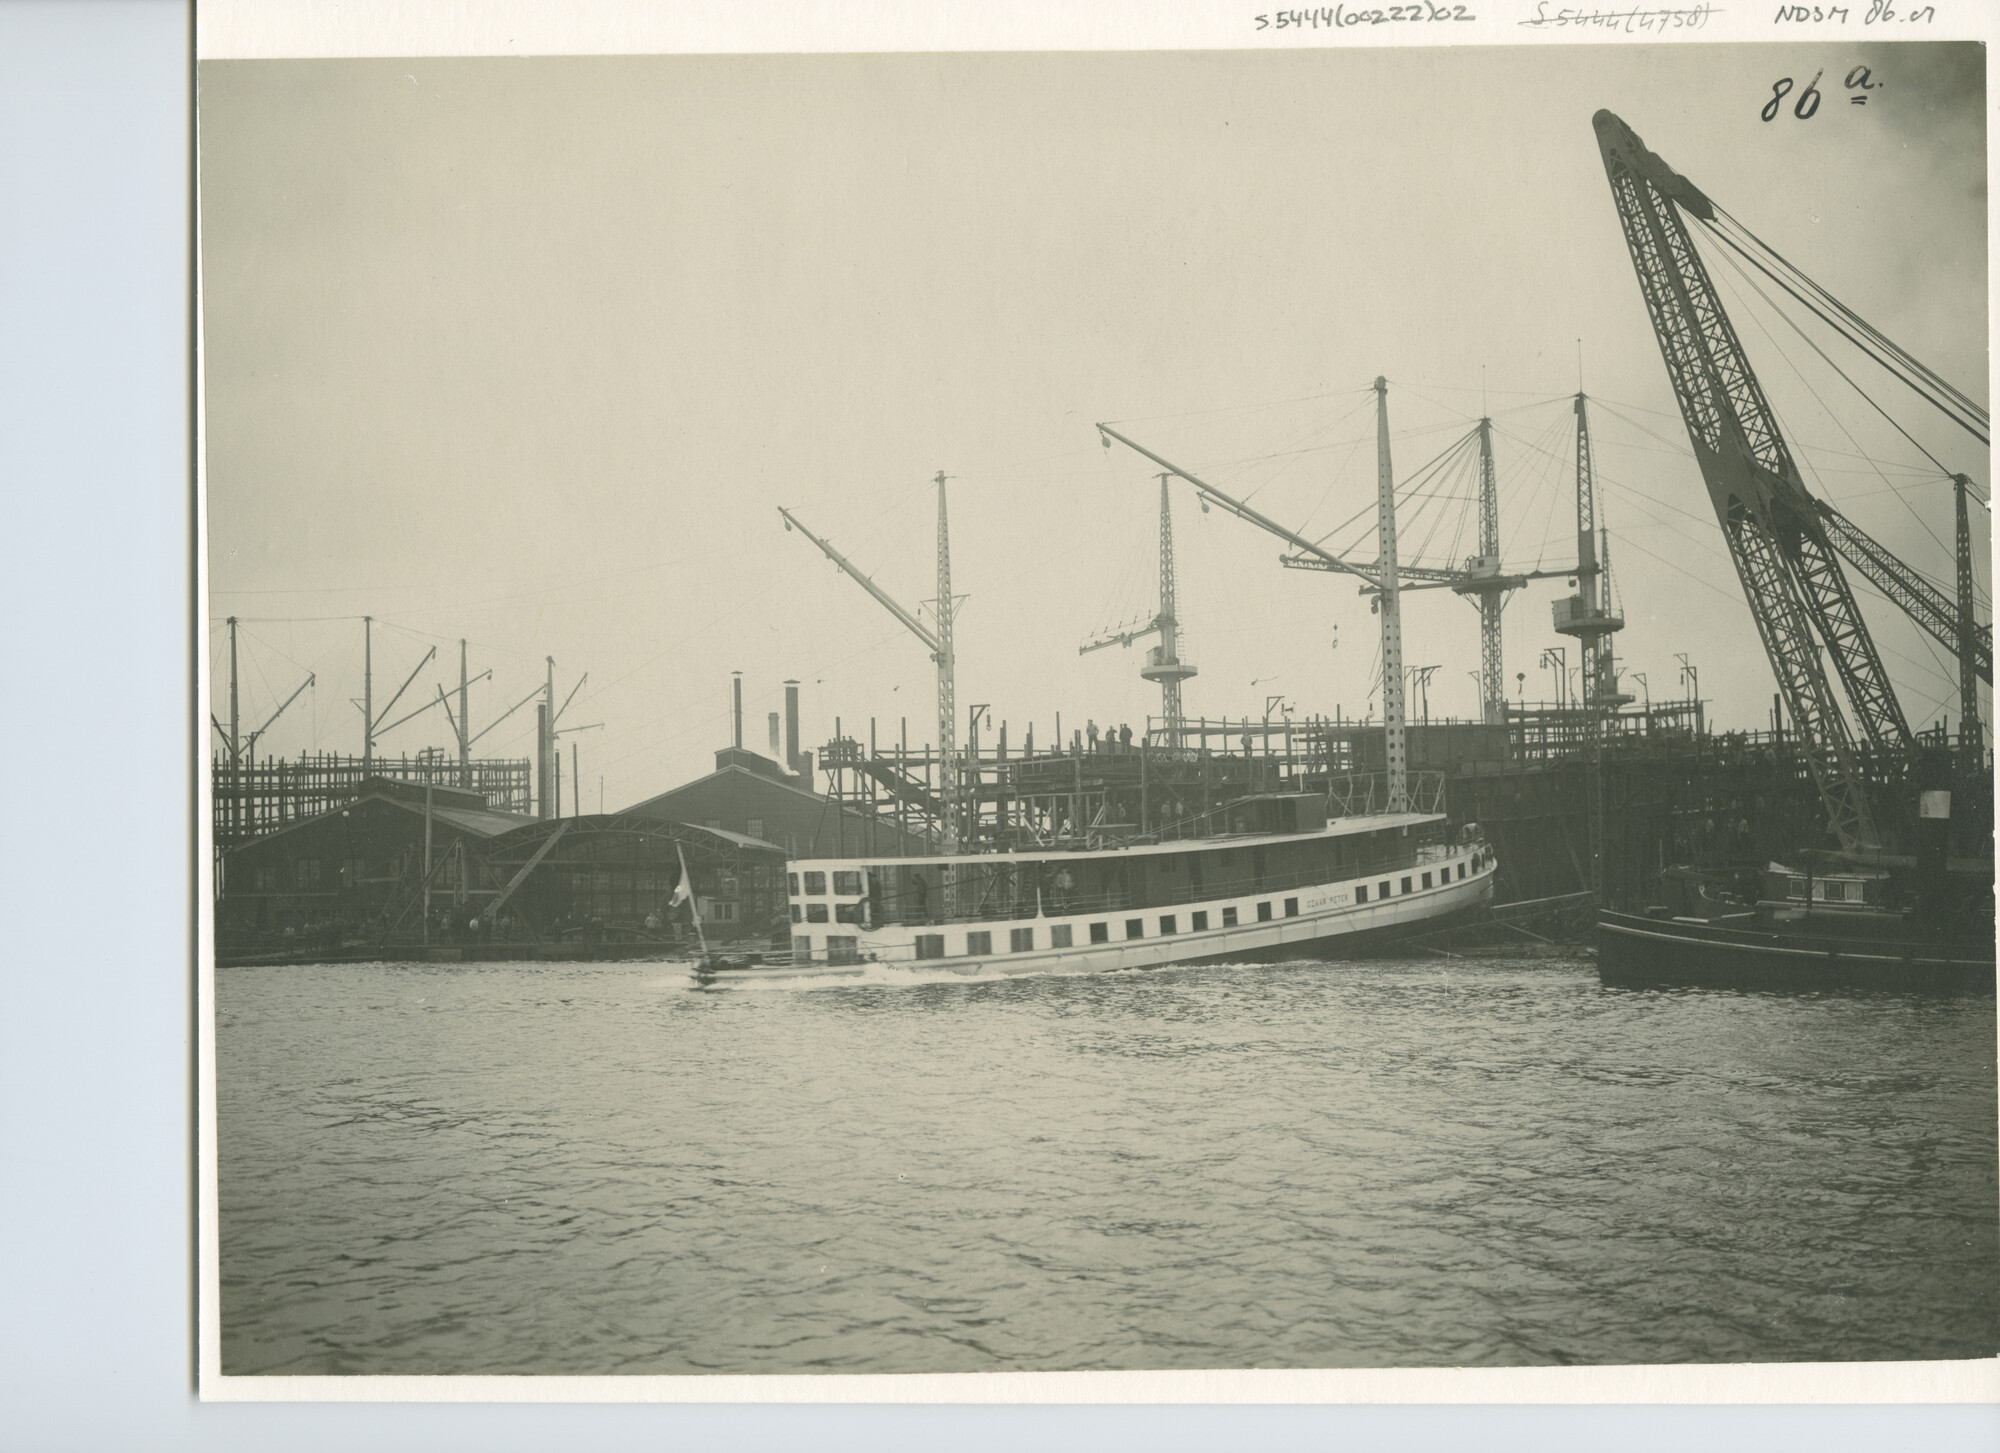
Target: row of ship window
1099,932
1022,940
846,884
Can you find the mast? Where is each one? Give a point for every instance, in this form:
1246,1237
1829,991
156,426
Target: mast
546,740
1390,605
1586,543
947,686
1492,666
367,695
237,787
464,724
1596,656
1165,665
1588,615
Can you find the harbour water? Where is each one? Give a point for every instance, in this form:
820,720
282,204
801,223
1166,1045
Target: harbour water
606,1168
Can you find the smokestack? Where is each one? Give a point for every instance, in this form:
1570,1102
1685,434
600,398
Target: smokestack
774,736
737,715
792,725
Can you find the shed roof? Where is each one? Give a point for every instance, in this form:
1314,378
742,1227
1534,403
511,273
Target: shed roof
656,806
474,821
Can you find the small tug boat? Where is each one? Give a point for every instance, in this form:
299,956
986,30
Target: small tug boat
1816,926
1268,878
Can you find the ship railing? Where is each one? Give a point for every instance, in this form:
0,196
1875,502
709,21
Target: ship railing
1366,794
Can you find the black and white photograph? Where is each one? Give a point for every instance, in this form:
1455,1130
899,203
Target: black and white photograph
1310,707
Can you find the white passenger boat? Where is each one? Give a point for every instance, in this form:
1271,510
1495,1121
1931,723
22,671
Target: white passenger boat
1283,883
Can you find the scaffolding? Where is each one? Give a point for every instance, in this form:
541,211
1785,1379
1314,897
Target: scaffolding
252,798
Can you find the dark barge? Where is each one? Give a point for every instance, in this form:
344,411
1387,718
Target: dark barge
1807,930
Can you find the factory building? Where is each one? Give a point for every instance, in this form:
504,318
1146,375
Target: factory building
775,802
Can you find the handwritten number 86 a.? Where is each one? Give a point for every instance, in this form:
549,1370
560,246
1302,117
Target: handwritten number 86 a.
1803,108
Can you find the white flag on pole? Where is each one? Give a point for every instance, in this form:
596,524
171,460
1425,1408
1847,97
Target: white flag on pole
684,890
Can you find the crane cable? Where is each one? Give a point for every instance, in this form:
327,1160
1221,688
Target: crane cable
1887,344
1923,381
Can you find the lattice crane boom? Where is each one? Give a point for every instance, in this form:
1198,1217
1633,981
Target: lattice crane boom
947,682
1776,537
1923,602
1489,591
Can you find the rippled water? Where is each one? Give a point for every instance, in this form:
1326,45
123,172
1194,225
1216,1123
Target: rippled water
603,1168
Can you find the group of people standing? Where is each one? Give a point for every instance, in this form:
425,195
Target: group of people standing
1113,741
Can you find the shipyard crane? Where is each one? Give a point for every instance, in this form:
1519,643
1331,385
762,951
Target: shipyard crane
1589,615
1786,545
939,643
1163,662
1383,576
1483,580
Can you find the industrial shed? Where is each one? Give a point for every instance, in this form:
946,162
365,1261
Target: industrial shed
356,875
334,874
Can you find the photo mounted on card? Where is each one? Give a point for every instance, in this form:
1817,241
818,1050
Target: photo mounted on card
1270,711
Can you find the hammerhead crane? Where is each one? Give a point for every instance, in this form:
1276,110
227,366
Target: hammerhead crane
1163,662
939,643
1783,541
1382,576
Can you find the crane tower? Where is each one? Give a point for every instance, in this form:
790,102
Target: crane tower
1589,614
1163,662
1484,584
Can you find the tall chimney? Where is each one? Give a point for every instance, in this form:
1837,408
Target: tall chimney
792,725
774,736
737,715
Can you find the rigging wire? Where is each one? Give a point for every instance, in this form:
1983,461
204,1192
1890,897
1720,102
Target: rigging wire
1748,281
1979,426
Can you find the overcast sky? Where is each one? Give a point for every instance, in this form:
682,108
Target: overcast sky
529,351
